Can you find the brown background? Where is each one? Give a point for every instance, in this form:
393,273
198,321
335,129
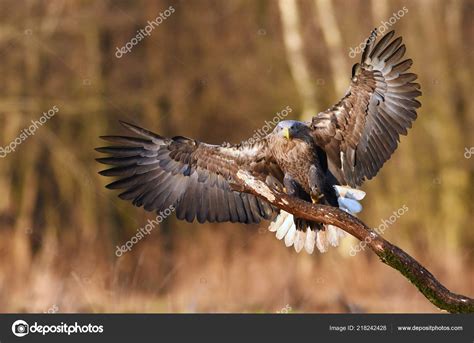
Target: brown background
216,70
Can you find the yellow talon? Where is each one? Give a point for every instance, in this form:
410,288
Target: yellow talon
316,200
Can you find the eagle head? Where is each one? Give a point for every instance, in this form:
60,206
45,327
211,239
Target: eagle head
290,129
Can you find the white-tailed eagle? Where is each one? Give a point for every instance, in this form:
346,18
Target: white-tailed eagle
323,160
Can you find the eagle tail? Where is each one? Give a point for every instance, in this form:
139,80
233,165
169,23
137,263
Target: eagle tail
285,227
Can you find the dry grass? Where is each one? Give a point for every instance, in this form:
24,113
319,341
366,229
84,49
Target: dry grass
227,269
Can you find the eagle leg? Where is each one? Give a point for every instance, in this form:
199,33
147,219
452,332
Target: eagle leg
294,189
291,186
317,181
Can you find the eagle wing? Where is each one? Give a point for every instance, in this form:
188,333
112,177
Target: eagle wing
157,172
362,130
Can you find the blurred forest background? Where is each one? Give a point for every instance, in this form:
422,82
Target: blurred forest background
215,71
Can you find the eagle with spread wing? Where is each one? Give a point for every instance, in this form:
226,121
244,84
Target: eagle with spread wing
323,160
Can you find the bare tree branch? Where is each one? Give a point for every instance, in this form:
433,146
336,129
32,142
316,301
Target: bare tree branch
388,253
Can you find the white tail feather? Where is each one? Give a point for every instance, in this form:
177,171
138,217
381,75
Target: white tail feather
290,236
299,240
276,223
322,241
332,235
341,233
283,229
284,226
310,240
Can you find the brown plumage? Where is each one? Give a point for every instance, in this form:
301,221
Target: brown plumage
158,172
345,144
362,130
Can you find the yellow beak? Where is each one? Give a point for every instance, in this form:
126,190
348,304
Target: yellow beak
286,133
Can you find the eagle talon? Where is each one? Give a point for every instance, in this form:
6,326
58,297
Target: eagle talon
317,198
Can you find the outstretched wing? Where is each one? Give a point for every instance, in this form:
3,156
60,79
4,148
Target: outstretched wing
362,130
157,172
